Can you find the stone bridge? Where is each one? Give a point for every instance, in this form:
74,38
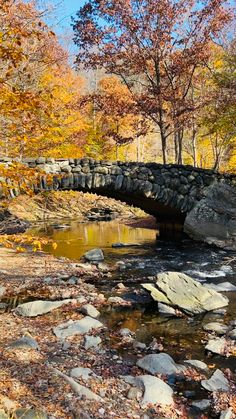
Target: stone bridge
169,192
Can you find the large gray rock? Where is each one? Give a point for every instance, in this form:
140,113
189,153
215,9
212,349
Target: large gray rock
217,382
179,290
160,364
156,391
213,218
94,255
36,308
77,327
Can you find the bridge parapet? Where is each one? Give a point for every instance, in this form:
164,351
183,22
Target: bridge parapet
170,190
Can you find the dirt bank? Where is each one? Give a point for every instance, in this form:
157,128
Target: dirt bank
67,204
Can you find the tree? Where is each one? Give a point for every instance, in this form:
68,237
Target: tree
38,88
219,119
154,47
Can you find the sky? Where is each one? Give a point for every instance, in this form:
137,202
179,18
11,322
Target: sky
59,19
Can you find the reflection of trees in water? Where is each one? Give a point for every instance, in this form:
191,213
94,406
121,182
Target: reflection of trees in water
74,241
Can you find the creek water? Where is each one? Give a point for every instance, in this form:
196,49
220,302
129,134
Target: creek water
181,337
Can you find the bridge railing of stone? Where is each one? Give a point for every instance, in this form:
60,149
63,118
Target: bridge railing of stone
174,185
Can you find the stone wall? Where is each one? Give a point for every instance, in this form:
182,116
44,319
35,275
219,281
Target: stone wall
168,191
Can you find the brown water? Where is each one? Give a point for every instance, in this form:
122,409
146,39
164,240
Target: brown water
181,338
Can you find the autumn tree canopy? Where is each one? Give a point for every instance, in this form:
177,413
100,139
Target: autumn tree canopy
155,47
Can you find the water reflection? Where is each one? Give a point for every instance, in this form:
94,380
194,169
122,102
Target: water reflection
78,238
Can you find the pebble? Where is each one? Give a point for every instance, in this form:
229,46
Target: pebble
91,341
90,310
202,404
232,334
134,393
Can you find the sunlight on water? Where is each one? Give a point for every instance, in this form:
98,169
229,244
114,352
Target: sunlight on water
74,239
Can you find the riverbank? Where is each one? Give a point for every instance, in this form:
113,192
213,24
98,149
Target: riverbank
70,204
54,372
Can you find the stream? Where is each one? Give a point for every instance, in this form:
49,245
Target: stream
181,337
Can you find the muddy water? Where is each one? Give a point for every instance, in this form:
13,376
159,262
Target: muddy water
182,338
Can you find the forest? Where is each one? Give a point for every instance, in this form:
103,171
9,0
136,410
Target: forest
149,83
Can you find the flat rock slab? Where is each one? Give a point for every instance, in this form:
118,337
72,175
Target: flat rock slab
160,364
156,391
39,307
217,346
217,382
81,391
179,290
223,286
196,364
218,328
25,342
77,327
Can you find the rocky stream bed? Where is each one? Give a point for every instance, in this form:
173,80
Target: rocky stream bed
128,329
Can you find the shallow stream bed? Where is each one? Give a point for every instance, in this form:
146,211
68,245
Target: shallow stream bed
181,337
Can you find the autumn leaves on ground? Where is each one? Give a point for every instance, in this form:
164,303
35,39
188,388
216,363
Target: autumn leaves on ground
151,81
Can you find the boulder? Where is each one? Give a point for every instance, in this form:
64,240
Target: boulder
156,391
77,327
212,219
39,307
179,290
160,364
217,382
94,255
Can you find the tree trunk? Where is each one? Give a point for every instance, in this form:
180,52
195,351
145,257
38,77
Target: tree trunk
163,146
180,145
